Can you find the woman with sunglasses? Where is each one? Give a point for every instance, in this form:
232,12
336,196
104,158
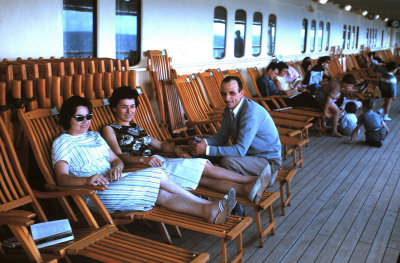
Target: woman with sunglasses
81,157
134,146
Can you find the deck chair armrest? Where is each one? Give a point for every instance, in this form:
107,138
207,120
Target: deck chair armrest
16,220
17,213
56,194
52,187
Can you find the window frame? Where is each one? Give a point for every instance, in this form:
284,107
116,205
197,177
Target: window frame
261,30
312,43
320,40
271,44
304,26
215,20
244,22
328,32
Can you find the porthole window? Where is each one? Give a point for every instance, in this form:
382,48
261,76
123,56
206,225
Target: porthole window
304,28
271,34
257,32
327,36
320,35
127,30
367,36
79,28
312,35
353,37
240,33
344,37
383,33
219,31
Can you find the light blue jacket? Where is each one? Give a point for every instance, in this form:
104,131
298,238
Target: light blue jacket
253,133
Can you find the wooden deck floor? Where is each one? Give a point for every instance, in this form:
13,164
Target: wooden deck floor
345,207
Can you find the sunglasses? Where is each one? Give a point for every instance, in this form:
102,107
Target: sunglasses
81,117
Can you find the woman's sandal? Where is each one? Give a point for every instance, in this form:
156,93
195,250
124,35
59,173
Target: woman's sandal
226,210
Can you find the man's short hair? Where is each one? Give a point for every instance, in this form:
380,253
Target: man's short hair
390,66
368,104
349,79
230,78
272,66
282,66
323,59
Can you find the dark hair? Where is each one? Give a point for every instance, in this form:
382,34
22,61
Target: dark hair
323,59
368,104
305,65
122,93
350,107
282,66
390,66
349,79
235,78
272,66
68,109
306,59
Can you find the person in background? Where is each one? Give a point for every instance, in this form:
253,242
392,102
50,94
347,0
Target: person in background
388,88
316,76
266,83
348,122
375,127
326,96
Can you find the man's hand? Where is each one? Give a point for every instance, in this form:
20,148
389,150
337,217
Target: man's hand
197,147
152,161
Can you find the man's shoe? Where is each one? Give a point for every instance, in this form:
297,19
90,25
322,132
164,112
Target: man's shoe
386,117
238,210
262,182
273,178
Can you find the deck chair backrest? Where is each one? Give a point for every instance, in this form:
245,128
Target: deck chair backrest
159,62
255,76
213,90
194,112
219,75
236,72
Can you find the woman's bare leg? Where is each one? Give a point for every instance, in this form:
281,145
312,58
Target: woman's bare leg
335,111
223,186
172,187
183,204
219,173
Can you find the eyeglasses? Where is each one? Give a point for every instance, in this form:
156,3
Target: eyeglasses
81,117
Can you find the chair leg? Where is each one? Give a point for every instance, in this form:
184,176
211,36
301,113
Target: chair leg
283,202
239,245
164,232
224,258
259,227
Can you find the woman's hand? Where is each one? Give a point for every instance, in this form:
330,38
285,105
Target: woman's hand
152,161
115,173
96,180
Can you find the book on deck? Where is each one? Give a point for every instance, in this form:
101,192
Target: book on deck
52,232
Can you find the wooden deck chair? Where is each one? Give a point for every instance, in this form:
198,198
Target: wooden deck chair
198,119
213,89
161,74
41,129
105,243
219,75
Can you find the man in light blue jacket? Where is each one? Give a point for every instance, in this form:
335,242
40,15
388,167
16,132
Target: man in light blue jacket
255,148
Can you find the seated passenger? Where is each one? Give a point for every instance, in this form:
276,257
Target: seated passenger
266,83
376,63
325,97
280,81
134,146
375,127
348,85
306,64
316,76
348,122
81,157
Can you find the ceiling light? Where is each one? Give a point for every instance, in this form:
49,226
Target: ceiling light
323,1
386,19
377,17
364,13
347,7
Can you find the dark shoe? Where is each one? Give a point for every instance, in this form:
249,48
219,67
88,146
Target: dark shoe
238,210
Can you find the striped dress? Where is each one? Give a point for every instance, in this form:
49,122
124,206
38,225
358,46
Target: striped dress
88,154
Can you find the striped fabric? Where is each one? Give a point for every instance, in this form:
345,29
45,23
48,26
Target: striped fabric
88,154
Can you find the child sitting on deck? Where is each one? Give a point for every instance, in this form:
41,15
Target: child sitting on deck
375,127
348,122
